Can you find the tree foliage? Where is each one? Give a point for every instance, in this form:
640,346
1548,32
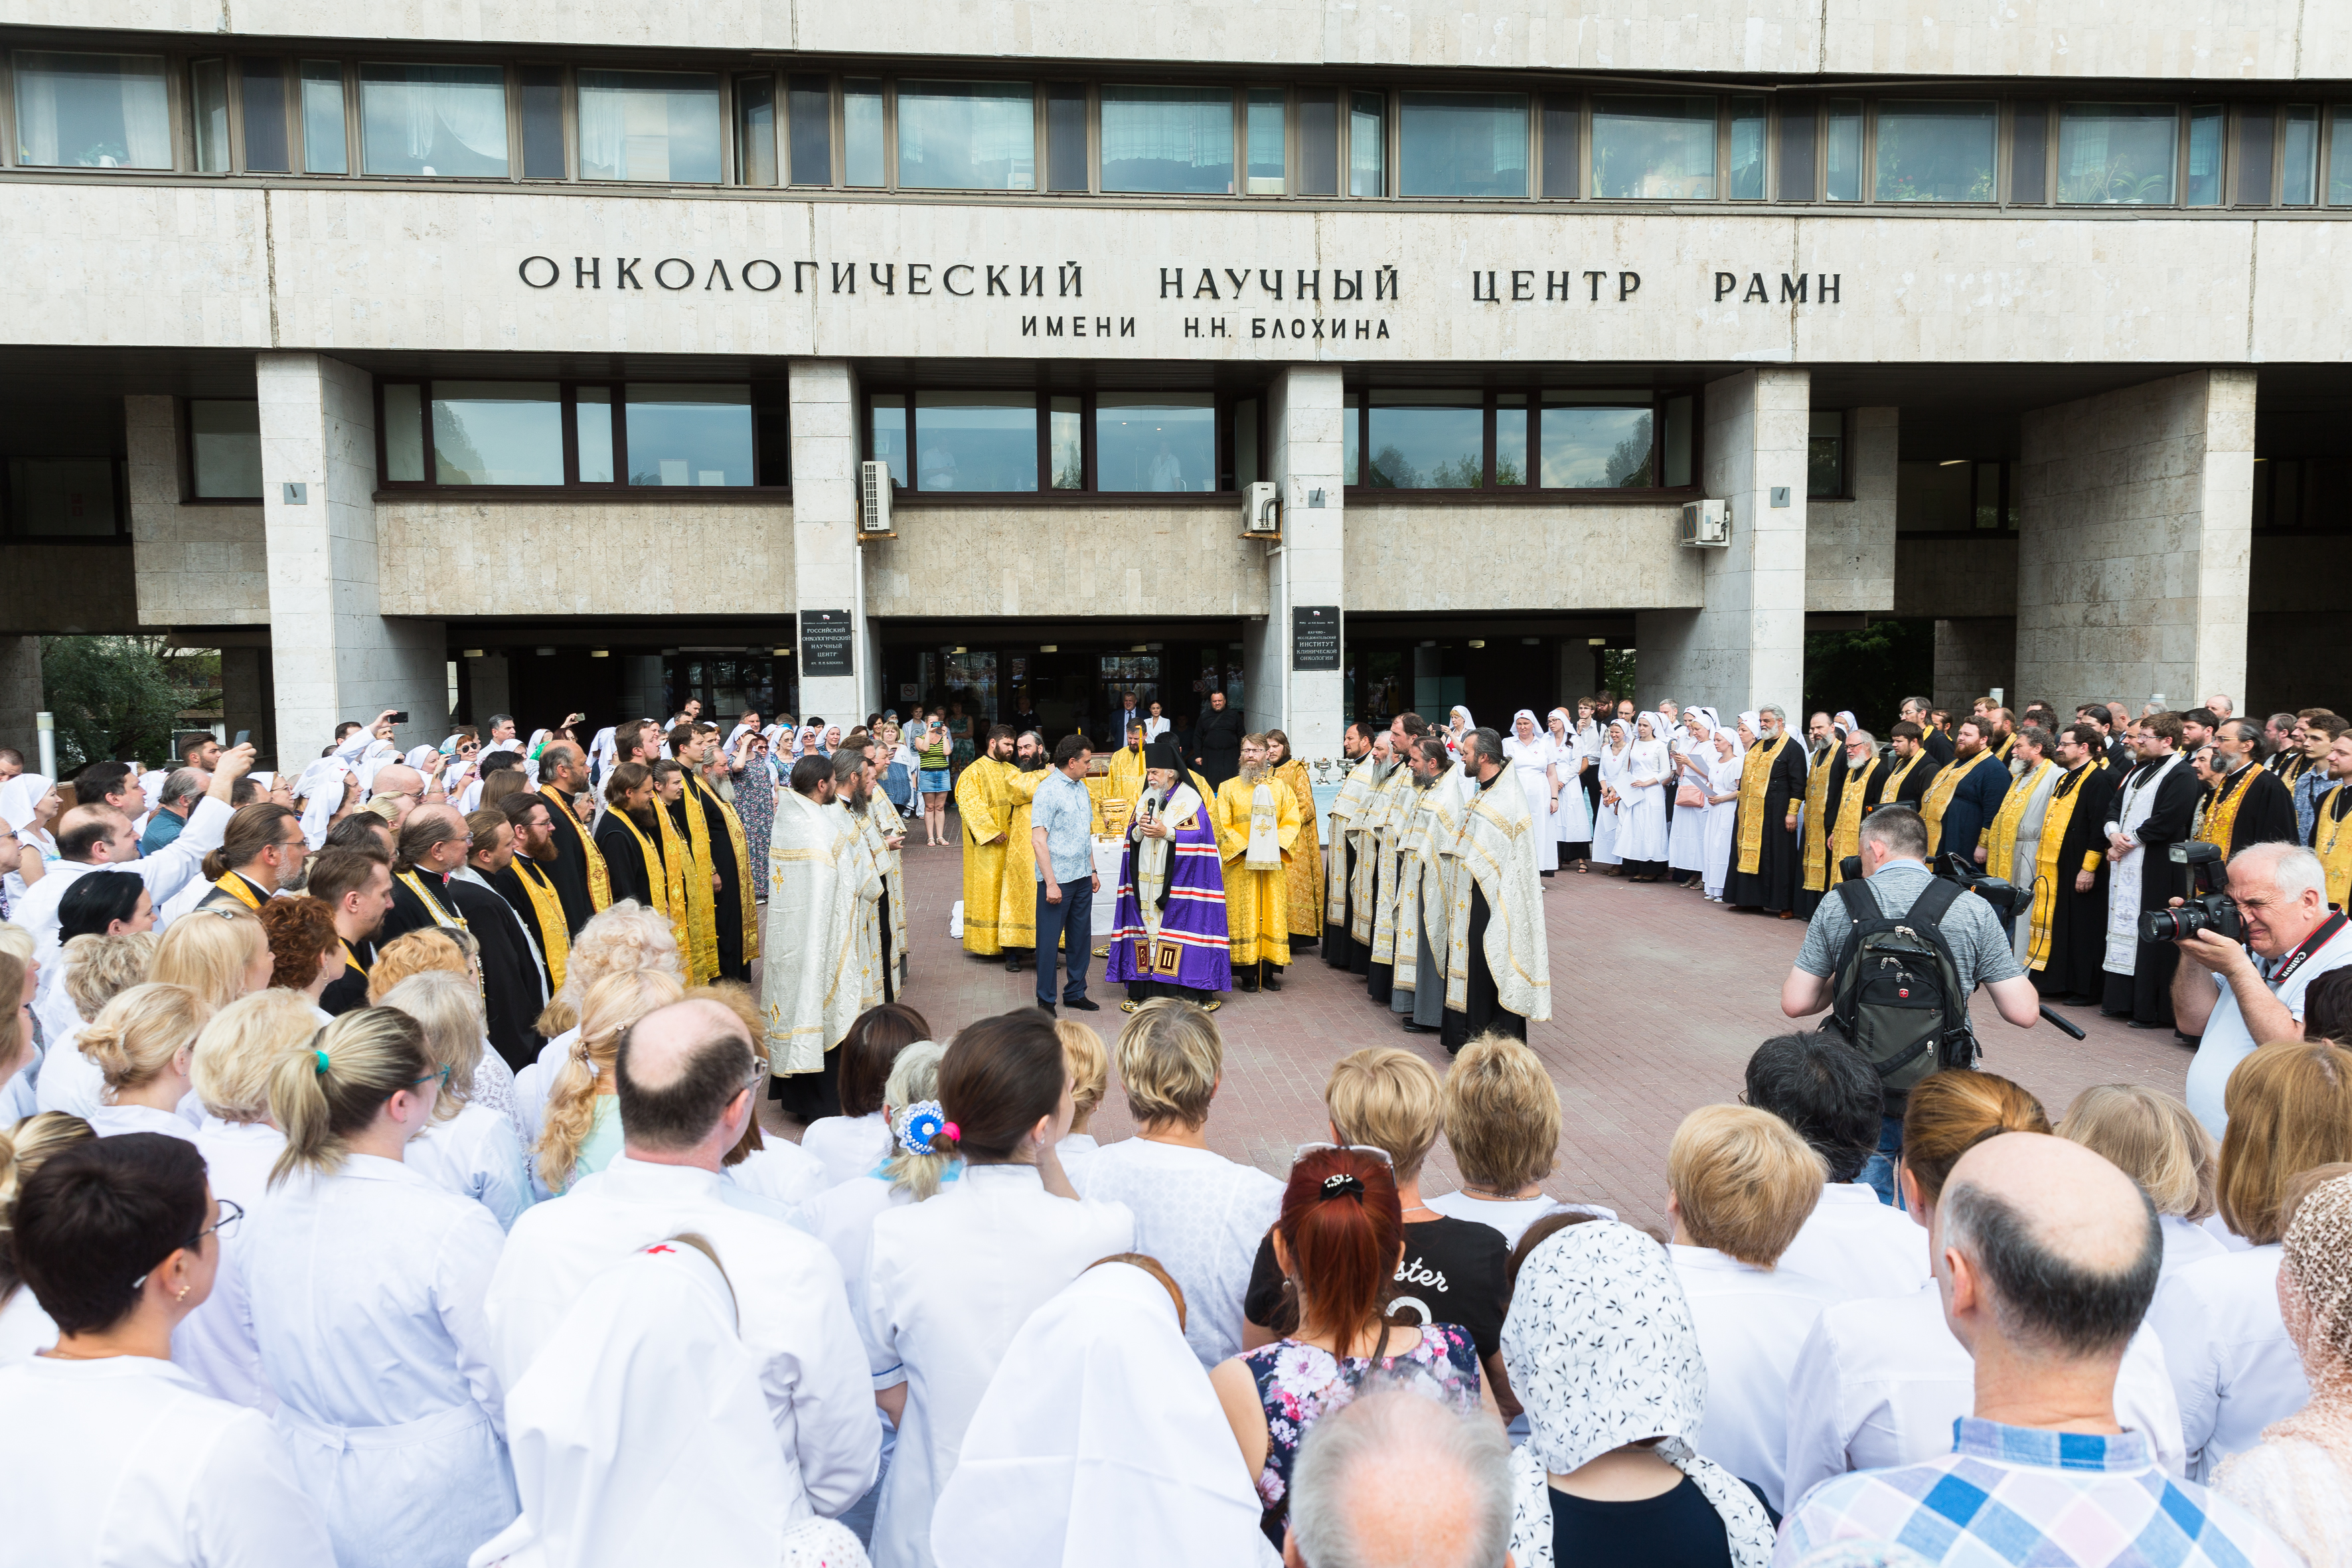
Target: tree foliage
114,698
1870,670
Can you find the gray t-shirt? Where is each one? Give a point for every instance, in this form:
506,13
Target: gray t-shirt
1981,953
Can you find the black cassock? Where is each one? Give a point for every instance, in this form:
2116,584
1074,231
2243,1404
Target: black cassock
511,977
569,870
728,911
2267,814
633,873
2145,995
2078,921
1773,885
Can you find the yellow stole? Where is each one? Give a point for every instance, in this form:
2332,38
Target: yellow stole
2220,819
1847,838
238,888
1939,797
2332,845
2294,768
1892,790
2047,872
442,914
703,796
2001,750
1817,806
1755,783
2000,838
686,866
672,886
554,936
600,881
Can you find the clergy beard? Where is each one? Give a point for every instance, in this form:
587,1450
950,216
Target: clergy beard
855,804
1254,771
1382,767
1034,762
1423,781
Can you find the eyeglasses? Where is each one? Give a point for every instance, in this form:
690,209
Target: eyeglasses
759,1070
1383,1155
230,1212
443,1075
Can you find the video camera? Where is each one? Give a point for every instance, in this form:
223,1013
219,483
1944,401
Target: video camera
2203,906
2005,896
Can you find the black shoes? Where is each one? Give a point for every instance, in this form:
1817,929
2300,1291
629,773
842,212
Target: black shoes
1083,1004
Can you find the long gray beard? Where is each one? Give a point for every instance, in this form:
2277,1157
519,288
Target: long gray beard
856,805
1381,768
1420,783
1254,771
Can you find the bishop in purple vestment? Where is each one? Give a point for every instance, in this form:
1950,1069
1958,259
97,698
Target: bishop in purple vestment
1171,936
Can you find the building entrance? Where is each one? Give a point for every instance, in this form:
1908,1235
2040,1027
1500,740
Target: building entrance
1061,677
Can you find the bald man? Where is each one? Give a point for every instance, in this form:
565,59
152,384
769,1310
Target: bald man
434,842
2047,1256
687,1078
398,790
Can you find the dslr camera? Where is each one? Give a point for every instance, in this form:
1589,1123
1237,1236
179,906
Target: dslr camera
2203,906
2005,896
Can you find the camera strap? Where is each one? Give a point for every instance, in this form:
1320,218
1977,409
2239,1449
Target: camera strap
2306,947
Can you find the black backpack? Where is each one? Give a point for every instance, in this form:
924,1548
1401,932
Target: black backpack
1898,995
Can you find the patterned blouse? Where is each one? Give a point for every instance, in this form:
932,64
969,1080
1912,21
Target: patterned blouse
1300,1384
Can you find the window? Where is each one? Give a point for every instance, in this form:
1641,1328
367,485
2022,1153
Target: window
1165,441
1559,439
1427,440
1172,140
1511,440
1066,136
1799,127
975,441
1318,142
690,434
886,433
1744,181
1597,440
92,111
2028,153
433,119
861,132
1956,496
2257,131
262,85
64,498
1935,151
1654,149
969,136
224,450
2299,156
324,149
498,432
540,88
755,130
2339,156
404,433
209,106
1367,144
1065,440
655,126
1462,145
591,424
1268,108
1561,112
2206,123
552,433
2116,153
1825,455
1844,181
809,110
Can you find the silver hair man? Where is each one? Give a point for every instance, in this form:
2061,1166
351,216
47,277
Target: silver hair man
1398,1480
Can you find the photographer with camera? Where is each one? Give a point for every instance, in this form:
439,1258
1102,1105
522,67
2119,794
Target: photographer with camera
2246,960
1896,957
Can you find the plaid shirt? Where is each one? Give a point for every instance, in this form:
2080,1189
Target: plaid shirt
2009,1495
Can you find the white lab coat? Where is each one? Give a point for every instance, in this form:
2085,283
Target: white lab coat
794,1313
1642,828
113,1120
1751,1321
1203,1216
217,1342
25,1330
780,1170
367,1291
848,1145
475,1154
842,1217
948,1284
1879,1382
69,1081
2233,1368
127,1460
1859,1244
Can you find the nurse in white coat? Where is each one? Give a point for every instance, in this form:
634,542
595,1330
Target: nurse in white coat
144,1043
1723,765
1530,754
367,1282
112,1454
1609,827
950,1282
1571,814
1643,783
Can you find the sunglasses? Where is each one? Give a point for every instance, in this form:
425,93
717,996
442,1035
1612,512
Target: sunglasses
1383,1155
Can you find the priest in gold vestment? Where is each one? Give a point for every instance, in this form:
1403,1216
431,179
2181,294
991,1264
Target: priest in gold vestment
1498,969
1304,874
1257,823
2014,842
823,966
1348,866
984,807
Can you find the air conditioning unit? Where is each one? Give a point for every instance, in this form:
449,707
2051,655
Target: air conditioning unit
1262,511
874,501
1706,524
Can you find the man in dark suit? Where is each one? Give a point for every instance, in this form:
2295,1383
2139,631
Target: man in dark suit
514,988
1217,741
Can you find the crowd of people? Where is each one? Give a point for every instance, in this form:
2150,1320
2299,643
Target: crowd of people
385,1180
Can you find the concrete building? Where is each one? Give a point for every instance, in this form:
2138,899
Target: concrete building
528,358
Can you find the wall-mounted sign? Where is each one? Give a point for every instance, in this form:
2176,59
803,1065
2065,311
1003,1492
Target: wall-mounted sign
1315,636
826,643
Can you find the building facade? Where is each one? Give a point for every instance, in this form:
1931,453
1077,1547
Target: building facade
492,357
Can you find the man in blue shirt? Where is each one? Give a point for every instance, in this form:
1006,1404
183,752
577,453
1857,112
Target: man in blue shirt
1967,795
174,802
1061,832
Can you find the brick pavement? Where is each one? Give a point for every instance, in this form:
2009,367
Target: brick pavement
1657,999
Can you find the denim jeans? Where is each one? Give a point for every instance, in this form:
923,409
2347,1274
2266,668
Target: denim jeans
1072,922
1880,1170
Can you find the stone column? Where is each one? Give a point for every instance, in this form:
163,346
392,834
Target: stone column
1746,647
826,572
2135,542
335,655
20,696
1305,454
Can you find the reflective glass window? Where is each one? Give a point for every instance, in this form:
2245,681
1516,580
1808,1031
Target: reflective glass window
1066,136
497,433
1935,151
1368,146
2339,156
1511,440
809,105
689,434
975,441
1351,448
92,111
2205,124
63,498
1595,440
1462,145
264,115
2116,153
404,433
1155,441
886,440
1066,442
432,119
1428,440
208,106
1744,180
1268,122
755,130
540,88
224,449
2299,155
1654,149
1318,142
1176,139
324,143
656,126
1842,181
591,423
1825,455
967,136
861,132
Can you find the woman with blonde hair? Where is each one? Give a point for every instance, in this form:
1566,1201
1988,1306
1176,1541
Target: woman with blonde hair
220,951
622,939
98,970
2225,1341
144,1042
25,1330
2157,1141
367,1281
467,1148
582,1130
21,1036
235,1054
450,949
1880,1380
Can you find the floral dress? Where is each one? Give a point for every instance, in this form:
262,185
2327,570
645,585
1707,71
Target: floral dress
1297,1385
755,806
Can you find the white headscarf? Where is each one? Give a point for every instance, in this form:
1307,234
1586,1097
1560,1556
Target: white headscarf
1468,723
1602,1352
420,755
1100,1438
321,791
1754,721
18,798
640,1434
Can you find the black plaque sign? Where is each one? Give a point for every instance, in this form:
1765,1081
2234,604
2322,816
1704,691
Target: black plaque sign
826,643
1315,636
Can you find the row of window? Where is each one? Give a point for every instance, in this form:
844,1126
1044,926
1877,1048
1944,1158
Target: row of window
1555,439
265,114
552,433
